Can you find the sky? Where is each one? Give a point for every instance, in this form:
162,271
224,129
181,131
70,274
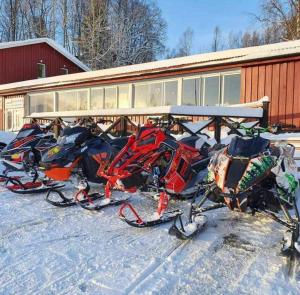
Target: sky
203,15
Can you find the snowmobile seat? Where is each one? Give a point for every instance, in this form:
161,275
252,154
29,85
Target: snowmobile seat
191,140
119,142
248,148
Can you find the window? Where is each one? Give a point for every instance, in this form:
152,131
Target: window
110,101
41,102
97,98
171,92
82,100
141,94
124,96
41,70
231,89
72,100
190,91
211,91
64,71
156,94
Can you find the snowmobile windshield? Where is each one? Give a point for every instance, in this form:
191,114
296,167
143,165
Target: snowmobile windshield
76,135
26,131
248,148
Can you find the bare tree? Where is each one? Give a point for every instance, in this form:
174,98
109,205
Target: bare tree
217,42
281,18
184,46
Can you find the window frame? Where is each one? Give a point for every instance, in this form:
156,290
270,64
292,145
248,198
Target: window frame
219,75
90,96
53,93
77,104
231,73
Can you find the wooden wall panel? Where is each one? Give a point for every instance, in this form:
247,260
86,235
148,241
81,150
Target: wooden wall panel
275,93
282,99
290,93
278,81
254,84
296,98
261,81
248,85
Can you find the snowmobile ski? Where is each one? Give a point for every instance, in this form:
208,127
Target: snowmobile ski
188,230
140,223
64,201
88,201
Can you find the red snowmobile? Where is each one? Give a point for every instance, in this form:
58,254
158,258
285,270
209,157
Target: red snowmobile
23,155
155,161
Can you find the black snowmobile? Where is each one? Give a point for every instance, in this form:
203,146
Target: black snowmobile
23,155
81,153
250,175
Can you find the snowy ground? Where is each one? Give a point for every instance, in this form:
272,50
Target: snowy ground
48,250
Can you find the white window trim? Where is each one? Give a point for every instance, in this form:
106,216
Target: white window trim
204,82
223,84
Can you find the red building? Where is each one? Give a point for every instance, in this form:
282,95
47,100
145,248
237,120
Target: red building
211,79
36,58
30,60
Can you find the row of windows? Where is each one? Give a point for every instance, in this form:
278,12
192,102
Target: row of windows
216,89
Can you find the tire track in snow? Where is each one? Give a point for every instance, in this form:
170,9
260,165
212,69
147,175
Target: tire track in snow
154,266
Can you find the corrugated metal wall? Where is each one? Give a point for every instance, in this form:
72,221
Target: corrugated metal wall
20,63
279,81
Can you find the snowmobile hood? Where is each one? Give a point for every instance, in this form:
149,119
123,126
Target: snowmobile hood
241,166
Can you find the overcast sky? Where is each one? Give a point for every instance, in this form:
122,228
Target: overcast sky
203,15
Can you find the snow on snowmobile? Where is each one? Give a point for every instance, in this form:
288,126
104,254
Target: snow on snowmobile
83,154
154,160
250,175
23,154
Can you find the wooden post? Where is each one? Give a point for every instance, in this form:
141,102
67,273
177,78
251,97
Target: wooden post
218,124
264,121
56,128
123,126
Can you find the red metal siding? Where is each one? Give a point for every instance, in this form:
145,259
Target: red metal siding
279,82
20,63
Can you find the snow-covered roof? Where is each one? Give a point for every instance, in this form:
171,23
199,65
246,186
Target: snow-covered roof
51,43
188,62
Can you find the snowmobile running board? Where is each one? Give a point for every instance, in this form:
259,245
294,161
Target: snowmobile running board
66,202
31,187
165,217
88,203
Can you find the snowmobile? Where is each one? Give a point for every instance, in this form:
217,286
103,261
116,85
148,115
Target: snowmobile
250,175
155,161
81,153
23,155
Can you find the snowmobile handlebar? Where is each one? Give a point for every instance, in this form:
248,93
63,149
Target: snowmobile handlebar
254,130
